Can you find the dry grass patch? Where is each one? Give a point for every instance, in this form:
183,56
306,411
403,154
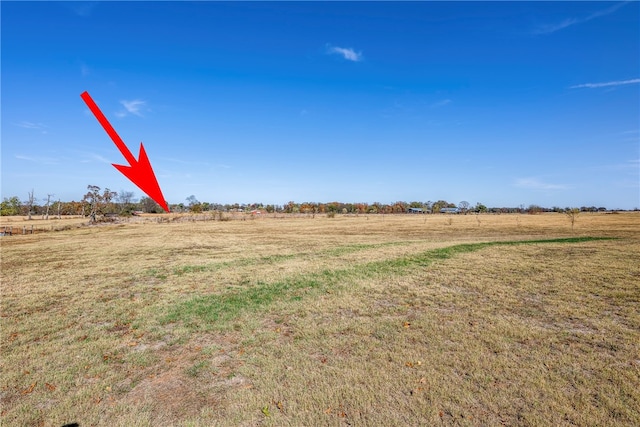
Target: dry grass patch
526,337
323,321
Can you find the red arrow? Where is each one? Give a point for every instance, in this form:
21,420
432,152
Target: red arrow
140,171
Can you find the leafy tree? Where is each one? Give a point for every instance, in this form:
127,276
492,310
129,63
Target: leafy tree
94,199
332,207
194,205
307,207
481,208
108,197
175,207
73,208
399,207
534,209
10,206
148,205
98,202
441,204
376,207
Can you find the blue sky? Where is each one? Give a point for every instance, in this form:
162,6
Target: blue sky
503,103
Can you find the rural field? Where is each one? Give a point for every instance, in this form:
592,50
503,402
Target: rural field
373,320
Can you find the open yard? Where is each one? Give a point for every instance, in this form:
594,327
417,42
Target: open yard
353,320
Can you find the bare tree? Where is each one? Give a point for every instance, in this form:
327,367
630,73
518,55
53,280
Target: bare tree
125,201
30,201
194,205
464,206
125,197
192,200
572,214
45,214
429,205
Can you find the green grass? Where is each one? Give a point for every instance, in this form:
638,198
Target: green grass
359,321
197,368
215,311
265,260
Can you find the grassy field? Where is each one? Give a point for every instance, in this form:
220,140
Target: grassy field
363,320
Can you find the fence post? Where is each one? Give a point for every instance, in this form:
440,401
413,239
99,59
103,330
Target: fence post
24,229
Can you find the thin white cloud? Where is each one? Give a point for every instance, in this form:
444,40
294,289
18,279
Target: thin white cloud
30,125
90,157
84,70
34,126
346,52
630,166
132,107
39,160
99,158
552,28
629,136
536,184
605,84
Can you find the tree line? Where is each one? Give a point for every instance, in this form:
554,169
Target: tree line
95,202
99,202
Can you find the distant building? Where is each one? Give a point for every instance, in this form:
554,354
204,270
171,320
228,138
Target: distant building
415,210
449,210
